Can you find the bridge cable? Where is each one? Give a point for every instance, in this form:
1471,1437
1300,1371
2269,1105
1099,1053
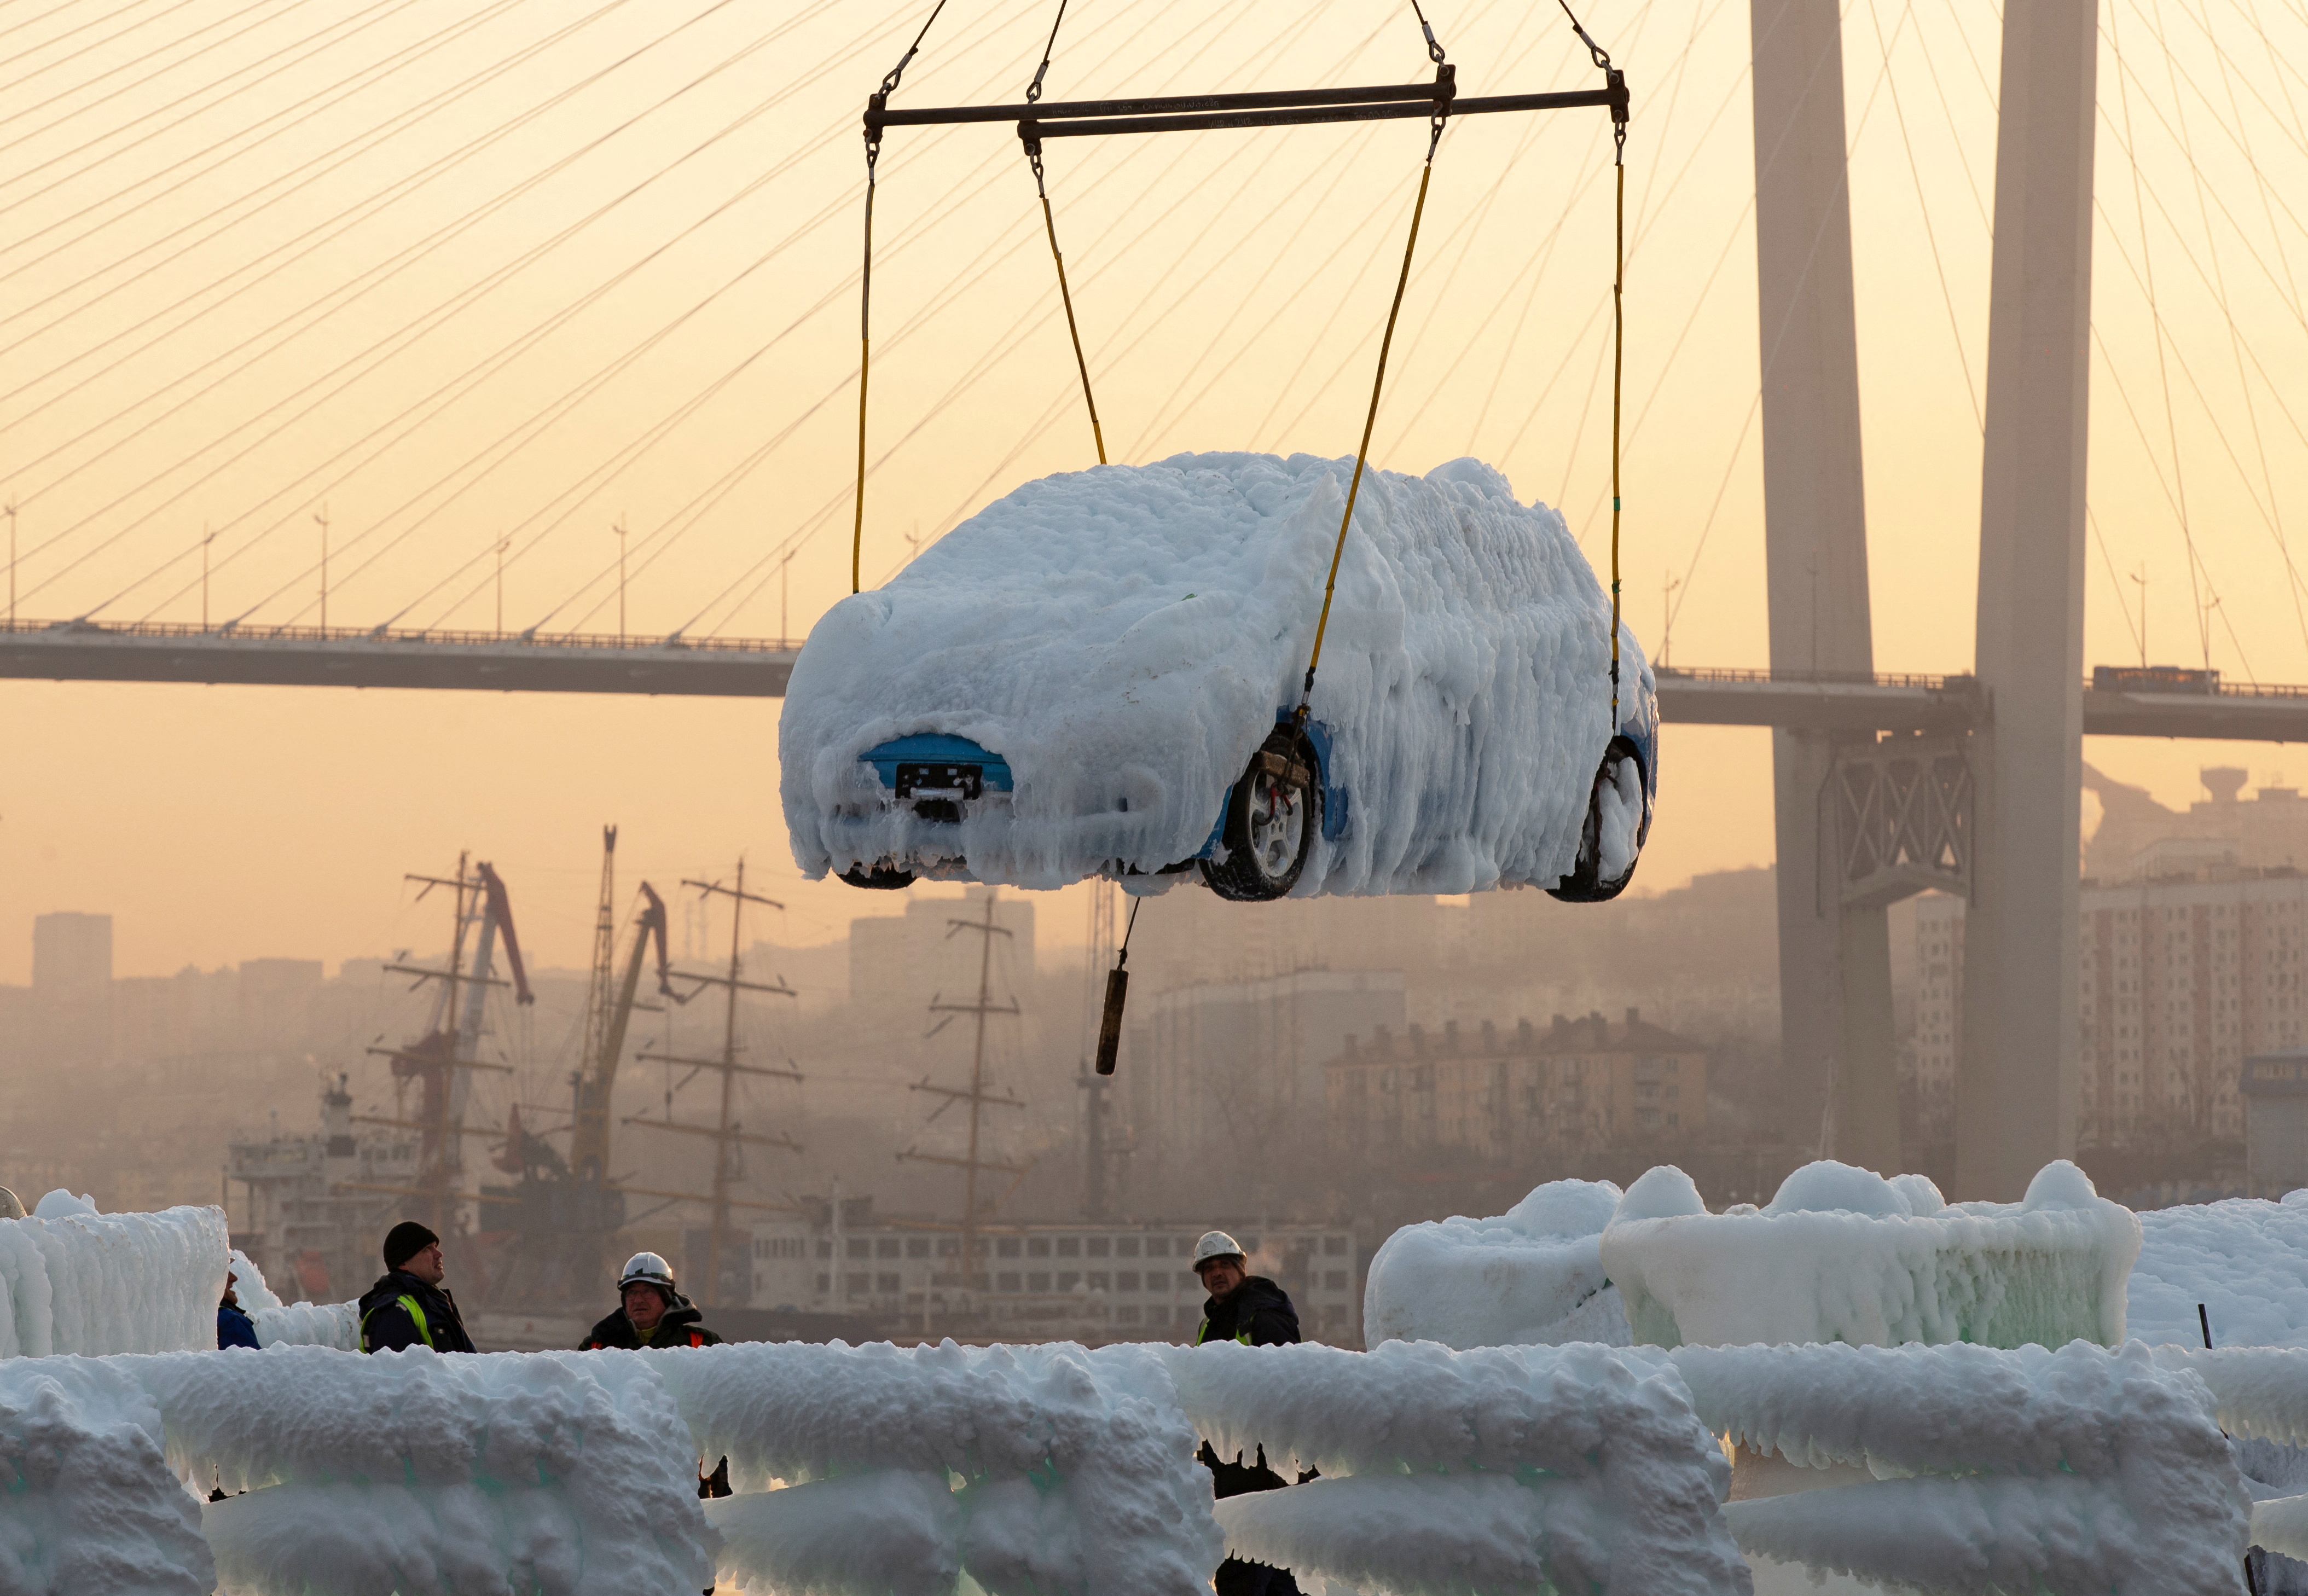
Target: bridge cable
14,84
463,296
103,13
2171,424
545,416
1001,346
866,280
218,91
1049,223
1026,322
346,151
2232,124
1444,85
684,519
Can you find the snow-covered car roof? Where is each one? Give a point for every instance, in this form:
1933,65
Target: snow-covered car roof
1123,637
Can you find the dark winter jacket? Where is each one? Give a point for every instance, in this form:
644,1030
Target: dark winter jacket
1258,1315
402,1311
678,1328
234,1327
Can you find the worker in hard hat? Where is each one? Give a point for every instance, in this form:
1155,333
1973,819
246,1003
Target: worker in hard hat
1254,1311
408,1308
650,1312
1242,1306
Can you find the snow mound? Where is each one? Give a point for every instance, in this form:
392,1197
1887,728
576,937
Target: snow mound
2069,1471
89,1507
1843,1254
1072,1471
293,1323
2246,1260
1578,1468
1533,1276
555,1474
92,1283
1124,638
60,1203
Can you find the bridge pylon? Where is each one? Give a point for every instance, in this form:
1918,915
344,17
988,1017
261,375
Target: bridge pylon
1835,958
2016,1068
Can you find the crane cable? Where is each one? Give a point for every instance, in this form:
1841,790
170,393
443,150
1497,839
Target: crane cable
1049,224
1615,78
1443,86
865,281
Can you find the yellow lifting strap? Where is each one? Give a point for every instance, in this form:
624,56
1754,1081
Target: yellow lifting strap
865,284
1378,383
1618,365
864,362
1617,82
1049,224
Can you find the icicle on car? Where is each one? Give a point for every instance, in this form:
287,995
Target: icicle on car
1094,674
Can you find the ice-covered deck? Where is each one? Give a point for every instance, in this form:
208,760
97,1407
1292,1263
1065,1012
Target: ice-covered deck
1525,1469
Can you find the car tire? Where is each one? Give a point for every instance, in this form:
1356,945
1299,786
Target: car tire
1273,818
1586,884
881,878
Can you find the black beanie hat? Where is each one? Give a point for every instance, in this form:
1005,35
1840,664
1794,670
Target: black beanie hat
404,1241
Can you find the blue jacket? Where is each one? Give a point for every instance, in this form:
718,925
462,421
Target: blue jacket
234,1327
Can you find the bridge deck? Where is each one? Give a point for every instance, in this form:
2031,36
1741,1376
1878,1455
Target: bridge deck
2223,712
727,667
346,657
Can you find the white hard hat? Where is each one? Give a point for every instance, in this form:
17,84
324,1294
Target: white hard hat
1216,1244
646,1269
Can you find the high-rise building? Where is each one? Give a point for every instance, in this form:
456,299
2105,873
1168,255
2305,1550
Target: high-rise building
1515,1096
71,957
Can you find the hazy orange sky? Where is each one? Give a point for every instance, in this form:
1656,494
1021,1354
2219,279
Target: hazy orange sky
451,273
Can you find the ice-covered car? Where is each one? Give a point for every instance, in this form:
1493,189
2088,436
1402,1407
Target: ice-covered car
1099,673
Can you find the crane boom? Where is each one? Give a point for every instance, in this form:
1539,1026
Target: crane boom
588,1153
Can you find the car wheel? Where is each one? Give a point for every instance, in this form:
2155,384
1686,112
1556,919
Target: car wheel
1272,820
881,878
1611,840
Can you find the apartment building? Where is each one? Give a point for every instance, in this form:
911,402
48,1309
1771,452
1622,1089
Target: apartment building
1502,1095
2180,978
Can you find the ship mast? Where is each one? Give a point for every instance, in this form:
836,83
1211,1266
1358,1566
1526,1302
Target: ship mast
730,1138
976,1096
444,1060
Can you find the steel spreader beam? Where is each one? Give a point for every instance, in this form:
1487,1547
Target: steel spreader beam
1282,108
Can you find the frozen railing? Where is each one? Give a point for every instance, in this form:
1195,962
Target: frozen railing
1508,1469
93,1283
1843,1254
566,1474
1974,1469
280,1323
90,1508
888,1469
2261,1395
1533,1276
1027,1469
